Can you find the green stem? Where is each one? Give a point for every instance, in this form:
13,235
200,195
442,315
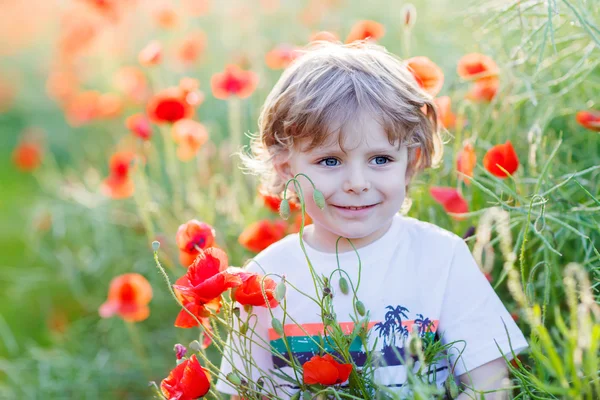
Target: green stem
172,170
236,134
138,348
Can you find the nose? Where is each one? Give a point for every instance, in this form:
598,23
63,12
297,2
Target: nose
356,181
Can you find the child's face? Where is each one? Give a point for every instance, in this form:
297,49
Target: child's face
370,174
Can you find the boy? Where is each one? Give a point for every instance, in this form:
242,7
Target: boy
353,119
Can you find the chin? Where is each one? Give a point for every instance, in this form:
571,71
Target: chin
358,233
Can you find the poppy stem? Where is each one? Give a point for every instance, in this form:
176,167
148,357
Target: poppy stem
172,170
406,42
235,132
138,348
142,198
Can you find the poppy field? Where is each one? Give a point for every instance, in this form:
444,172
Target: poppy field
127,218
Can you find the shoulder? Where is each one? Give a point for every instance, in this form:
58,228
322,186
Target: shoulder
429,235
274,258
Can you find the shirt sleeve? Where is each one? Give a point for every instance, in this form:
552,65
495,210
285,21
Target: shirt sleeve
473,314
248,355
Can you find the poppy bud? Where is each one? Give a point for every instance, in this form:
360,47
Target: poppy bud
344,285
319,199
277,327
248,308
244,328
284,209
409,16
451,387
415,346
296,396
180,351
360,308
307,396
155,245
328,319
326,291
236,311
280,291
260,383
234,378
195,345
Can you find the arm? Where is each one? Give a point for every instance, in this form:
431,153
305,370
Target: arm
490,376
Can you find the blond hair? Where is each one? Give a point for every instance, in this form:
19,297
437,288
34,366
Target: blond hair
331,83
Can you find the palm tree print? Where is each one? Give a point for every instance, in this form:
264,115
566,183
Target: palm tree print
392,325
424,324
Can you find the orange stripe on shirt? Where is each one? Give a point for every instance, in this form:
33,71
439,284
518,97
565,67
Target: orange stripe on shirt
316,328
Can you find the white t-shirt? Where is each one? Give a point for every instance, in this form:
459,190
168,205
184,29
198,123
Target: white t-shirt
416,273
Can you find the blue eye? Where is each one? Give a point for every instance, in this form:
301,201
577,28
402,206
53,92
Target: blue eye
381,160
329,162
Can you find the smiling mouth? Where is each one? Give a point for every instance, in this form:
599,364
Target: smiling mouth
355,208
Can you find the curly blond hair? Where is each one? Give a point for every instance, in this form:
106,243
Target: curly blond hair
331,83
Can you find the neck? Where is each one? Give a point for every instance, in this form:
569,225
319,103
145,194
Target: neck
323,240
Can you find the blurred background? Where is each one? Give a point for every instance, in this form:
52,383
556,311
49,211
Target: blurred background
72,72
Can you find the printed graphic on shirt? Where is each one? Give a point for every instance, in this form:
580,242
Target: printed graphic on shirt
306,339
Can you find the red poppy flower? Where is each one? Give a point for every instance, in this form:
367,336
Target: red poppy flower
270,6
281,56
139,125
110,105
250,291
366,30
484,89
192,47
196,8
514,363
119,184
233,82
187,381
111,10
132,82
325,371
261,234
151,54
445,115
272,202
201,311
165,16
128,297
324,35
189,86
466,161
191,238
589,119
501,157
451,200
428,75
82,107
189,136
475,66
168,106
27,156
61,85
201,287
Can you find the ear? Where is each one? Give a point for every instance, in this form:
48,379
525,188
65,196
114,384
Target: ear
282,165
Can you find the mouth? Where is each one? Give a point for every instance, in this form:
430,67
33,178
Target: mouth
354,208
